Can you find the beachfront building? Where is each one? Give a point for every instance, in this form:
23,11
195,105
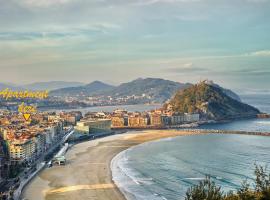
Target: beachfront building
180,118
82,128
144,120
40,143
118,121
191,117
93,127
49,136
1,169
21,150
155,119
137,121
52,132
133,121
2,162
166,120
177,118
99,126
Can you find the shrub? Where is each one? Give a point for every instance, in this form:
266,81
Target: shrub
207,189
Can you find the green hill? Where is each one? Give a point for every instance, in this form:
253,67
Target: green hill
211,102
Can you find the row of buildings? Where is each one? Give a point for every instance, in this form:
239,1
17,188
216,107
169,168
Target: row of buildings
98,123
22,143
152,119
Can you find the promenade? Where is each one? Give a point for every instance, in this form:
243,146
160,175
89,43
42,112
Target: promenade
87,174
40,165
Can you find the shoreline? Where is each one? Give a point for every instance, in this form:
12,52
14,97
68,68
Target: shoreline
94,178
93,158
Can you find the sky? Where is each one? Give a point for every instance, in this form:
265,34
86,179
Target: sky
116,41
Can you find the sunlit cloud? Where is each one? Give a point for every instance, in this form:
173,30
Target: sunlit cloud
43,3
122,39
151,2
260,53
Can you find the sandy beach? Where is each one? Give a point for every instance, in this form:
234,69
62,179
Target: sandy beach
87,174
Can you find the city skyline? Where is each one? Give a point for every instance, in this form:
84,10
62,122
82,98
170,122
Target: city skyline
117,41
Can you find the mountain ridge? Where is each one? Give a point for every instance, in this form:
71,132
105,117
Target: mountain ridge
141,90
88,89
51,85
149,89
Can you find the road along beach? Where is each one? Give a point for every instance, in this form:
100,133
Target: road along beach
87,174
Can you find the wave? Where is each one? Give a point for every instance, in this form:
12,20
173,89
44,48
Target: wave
263,122
196,179
160,173
128,181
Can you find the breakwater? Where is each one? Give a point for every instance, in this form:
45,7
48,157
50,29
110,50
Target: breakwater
192,130
204,131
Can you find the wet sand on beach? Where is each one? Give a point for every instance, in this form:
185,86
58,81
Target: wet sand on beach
87,174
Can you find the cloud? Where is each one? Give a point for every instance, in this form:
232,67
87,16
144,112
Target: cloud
59,32
151,2
252,91
252,72
258,1
187,68
43,3
260,53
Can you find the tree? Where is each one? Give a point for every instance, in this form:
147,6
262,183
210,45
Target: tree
206,190
245,193
262,182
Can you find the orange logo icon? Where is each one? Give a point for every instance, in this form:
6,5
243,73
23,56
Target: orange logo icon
27,111
26,116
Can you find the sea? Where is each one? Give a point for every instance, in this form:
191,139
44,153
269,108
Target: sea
131,108
165,169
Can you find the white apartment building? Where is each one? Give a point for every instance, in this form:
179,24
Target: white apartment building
40,143
22,150
194,117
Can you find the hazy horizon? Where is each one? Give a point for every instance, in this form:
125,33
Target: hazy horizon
248,91
116,41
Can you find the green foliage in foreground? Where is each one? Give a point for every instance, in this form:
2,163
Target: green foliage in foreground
207,189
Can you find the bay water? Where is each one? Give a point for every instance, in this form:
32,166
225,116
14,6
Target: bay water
166,168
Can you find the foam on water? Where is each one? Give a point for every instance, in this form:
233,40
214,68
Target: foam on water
165,169
130,183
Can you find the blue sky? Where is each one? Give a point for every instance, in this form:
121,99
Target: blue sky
116,41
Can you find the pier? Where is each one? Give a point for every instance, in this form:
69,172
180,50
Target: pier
205,131
193,130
